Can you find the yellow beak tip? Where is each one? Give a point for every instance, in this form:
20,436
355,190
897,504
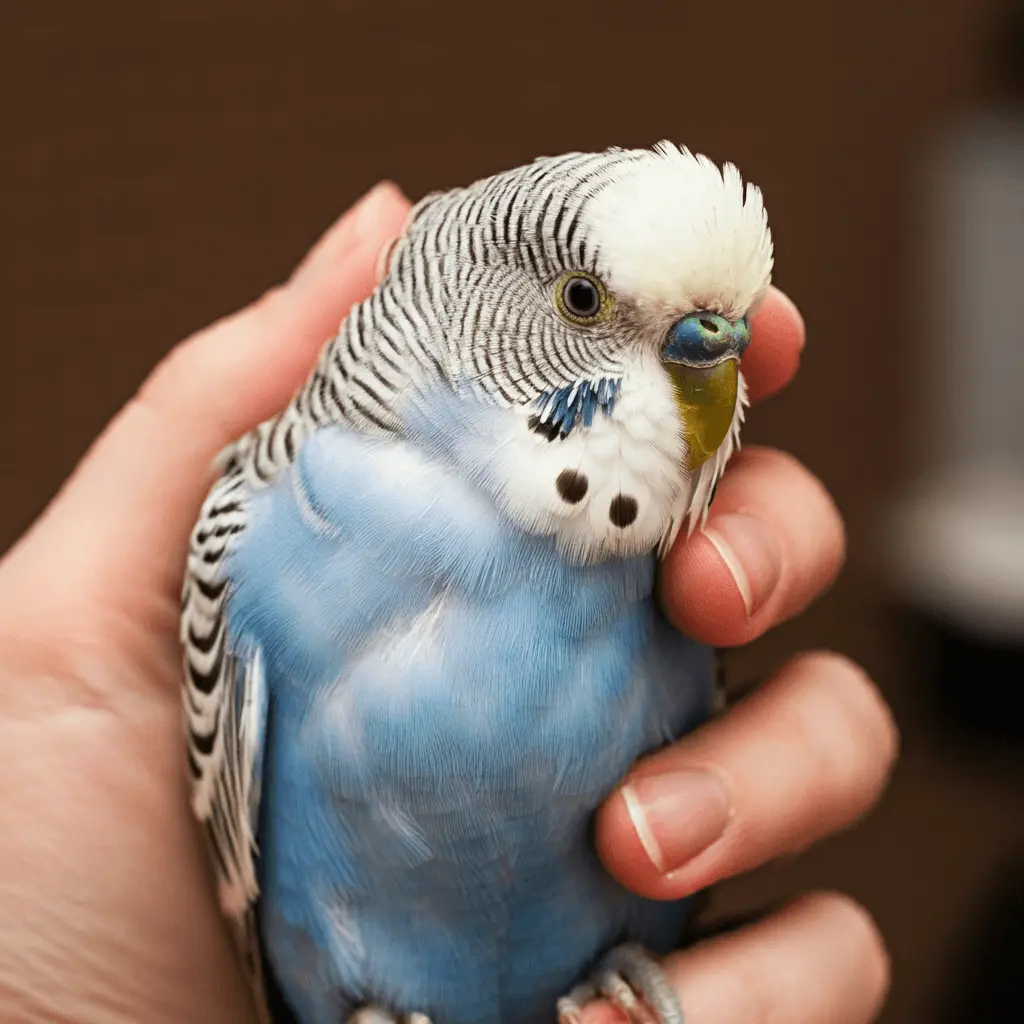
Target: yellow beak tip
706,397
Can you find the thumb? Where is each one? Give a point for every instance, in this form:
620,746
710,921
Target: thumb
117,532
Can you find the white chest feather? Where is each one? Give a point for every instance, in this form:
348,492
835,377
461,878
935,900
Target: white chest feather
608,489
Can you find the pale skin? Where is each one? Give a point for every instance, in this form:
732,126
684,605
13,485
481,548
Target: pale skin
106,908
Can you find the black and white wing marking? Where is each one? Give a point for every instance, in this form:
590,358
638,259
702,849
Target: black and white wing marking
225,697
225,694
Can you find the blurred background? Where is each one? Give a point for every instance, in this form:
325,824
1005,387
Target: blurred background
164,164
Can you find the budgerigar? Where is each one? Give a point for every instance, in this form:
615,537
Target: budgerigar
421,643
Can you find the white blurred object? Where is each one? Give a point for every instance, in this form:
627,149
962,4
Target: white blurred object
958,548
957,537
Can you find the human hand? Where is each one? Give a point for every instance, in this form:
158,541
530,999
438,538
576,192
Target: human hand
106,909
107,912
802,758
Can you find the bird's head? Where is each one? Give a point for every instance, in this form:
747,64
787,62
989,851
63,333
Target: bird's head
682,255
602,298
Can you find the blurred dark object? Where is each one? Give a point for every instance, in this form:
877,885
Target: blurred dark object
1009,50
975,682
956,542
990,988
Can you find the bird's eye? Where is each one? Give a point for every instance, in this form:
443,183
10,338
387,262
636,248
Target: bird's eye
581,298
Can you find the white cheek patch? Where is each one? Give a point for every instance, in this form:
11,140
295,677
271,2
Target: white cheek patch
608,489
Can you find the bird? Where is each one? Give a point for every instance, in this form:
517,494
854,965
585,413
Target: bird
421,644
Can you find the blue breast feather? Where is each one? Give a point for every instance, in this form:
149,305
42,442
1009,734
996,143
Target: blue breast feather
450,700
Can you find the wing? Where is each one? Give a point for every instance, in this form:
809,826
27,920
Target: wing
225,698
225,694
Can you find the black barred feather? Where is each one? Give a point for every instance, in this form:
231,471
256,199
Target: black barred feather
448,312
389,342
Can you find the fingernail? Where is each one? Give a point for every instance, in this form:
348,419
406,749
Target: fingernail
751,553
677,815
797,315
383,263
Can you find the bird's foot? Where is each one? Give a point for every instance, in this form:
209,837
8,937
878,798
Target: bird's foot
630,979
378,1015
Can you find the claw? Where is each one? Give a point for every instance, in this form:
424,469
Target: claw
376,1015
633,982
617,991
568,1011
646,979
570,1007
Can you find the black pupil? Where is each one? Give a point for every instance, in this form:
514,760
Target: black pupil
581,298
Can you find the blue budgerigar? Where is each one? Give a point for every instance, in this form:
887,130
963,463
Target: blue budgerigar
421,644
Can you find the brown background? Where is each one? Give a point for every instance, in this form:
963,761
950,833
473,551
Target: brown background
160,168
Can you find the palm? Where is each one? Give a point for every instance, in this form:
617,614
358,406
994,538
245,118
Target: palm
106,834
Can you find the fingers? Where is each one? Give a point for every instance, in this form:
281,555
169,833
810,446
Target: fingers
123,519
819,959
773,542
776,340
775,539
803,757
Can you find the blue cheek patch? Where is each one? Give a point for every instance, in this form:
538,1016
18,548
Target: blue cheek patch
561,410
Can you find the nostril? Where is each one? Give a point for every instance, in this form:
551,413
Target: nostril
702,338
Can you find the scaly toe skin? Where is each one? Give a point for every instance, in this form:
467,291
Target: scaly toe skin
570,1007
646,978
630,979
568,1011
376,1015
617,991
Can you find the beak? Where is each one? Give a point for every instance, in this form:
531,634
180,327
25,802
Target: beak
701,354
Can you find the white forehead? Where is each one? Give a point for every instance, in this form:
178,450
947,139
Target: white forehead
675,233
